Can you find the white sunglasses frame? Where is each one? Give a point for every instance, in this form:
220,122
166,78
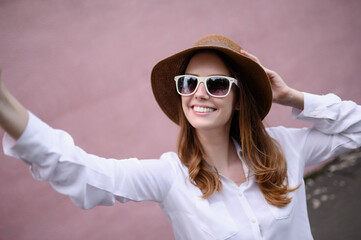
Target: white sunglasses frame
204,81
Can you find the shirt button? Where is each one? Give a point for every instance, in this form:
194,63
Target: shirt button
314,113
240,194
253,220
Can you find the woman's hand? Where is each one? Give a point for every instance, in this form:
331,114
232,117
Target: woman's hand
282,93
13,116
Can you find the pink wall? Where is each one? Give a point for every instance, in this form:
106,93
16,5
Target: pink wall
84,66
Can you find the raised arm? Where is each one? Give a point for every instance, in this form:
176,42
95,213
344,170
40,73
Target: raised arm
282,93
13,115
336,123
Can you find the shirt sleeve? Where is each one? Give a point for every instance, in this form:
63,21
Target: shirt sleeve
336,129
89,180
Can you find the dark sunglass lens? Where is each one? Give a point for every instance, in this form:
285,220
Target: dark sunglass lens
187,85
218,86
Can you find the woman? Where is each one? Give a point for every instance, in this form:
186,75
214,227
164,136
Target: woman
231,178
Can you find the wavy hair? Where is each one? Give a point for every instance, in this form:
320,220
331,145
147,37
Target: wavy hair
261,153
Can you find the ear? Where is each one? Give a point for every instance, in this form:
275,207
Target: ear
236,106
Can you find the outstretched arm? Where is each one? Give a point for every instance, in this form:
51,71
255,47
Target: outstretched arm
13,115
282,93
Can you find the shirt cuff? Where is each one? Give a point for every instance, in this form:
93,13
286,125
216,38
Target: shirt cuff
316,107
20,149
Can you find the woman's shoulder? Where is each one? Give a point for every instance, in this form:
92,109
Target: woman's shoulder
173,159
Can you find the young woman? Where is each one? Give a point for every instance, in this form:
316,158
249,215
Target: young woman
231,177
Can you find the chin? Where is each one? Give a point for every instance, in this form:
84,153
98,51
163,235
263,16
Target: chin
198,125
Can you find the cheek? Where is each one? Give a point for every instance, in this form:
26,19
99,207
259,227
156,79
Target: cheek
185,102
231,105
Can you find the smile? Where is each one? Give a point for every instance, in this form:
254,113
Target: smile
203,109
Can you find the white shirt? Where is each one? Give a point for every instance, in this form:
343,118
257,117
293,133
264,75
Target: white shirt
237,212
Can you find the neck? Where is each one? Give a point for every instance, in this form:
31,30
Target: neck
217,147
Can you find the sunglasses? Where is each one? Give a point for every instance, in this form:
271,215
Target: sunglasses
216,86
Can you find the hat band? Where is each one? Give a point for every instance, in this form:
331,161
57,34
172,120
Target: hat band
213,43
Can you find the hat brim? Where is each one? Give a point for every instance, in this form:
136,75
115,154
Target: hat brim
163,84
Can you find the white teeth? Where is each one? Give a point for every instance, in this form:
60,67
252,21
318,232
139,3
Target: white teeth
202,109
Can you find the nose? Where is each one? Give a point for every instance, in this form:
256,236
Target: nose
201,92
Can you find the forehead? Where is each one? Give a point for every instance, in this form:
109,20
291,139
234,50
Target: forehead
207,63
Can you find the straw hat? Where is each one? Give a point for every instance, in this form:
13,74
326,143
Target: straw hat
163,84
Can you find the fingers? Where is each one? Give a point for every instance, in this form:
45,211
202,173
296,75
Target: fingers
251,56
254,58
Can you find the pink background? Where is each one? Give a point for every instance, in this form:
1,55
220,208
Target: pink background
84,66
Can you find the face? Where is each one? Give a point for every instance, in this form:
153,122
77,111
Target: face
203,111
